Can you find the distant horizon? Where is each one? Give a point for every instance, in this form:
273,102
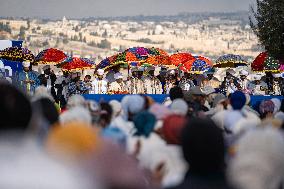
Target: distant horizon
130,16
74,9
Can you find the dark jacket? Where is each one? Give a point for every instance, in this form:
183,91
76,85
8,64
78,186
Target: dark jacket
196,181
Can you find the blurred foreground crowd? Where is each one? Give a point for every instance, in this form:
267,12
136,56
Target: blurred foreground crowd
194,140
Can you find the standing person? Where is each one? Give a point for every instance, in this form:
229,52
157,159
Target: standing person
278,84
61,88
244,82
99,85
152,84
171,81
76,86
87,81
27,79
203,147
48,79
118,86
230,83
110,76
135,83
186,83
258,87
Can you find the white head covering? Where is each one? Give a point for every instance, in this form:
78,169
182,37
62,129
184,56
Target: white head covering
116,107
76,100
277,75
118,76
76,114
40,93
244,72
132,104
277,104
100,72
179,106
257,77
26,64
259,161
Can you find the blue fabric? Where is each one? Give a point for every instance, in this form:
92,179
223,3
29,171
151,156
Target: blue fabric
32,76
238,100
17,44
9,66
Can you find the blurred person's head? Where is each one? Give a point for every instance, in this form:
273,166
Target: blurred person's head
105,114
266,109
87,78
116,108
197,95
237,100
115,135
144,123
15,109
179,106
42,92
160,111
172,129
277,104
258,162
73,141
47,109
203,146
175,93
79,114
76,100
132,105
243,74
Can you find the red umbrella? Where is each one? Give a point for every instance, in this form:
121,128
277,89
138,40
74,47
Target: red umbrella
180,58
50,56
76,64
266,63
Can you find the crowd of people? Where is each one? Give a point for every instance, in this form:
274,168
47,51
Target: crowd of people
145,80
205,135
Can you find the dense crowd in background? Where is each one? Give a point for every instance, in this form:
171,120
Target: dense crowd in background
204,135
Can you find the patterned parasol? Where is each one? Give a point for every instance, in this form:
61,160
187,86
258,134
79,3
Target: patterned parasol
266,63
180,58
198,65
50,56
17,54
230,61
76,64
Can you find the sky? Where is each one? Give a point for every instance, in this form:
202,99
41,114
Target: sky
55,9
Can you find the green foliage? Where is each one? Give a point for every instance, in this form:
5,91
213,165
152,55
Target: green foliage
104,44
268,24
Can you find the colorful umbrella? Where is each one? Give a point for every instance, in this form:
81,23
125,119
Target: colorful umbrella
230,61
198,65
76,64
180,58
50,56
266,63
17,54
159,60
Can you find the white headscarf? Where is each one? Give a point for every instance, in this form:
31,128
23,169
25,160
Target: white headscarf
132,104
259,162
277,104
179,106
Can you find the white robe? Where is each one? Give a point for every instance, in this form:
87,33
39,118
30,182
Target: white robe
99,87
153,85
117,87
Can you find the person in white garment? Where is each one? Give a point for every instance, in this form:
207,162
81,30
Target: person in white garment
135,83
152,83
258,87
99,85
244,82
118,86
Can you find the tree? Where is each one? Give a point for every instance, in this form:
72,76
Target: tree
267,22
104,44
